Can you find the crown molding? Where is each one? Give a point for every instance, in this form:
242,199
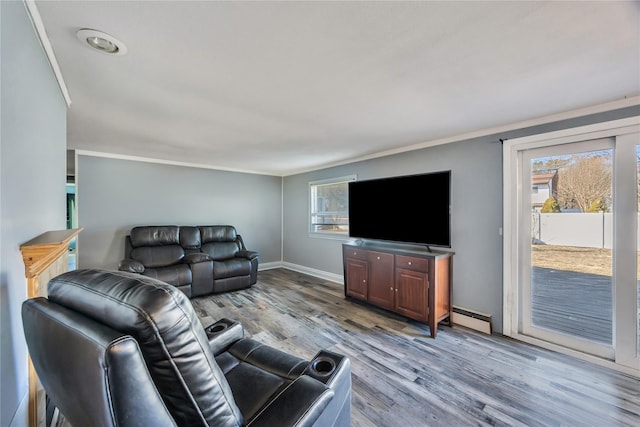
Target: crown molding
628,101
38,25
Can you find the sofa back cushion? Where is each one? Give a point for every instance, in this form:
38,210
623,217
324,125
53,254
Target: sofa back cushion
220,242
156,246
95,375
220,251
158,256
171,338
218,233
190,238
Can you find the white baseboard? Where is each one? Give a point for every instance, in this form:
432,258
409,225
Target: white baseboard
338,278
472,319
269,265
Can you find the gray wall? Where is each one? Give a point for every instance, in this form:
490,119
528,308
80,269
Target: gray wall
476,215
476,210
115,195
32,181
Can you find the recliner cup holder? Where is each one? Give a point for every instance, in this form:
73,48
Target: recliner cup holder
219,327
223,333
216,327
323,366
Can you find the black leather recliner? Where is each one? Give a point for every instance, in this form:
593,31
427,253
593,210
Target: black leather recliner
119,349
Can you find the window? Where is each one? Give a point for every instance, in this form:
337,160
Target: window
329,206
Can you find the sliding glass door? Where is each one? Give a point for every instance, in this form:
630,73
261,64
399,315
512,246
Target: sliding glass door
566,245
571,242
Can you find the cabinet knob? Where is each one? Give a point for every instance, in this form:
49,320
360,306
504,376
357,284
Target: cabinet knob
409,263
364,280
396,289
391,288
378,257
355,253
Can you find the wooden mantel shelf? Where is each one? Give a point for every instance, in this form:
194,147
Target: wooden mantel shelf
41,251
44,256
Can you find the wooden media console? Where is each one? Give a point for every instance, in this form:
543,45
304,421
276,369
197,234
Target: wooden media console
413,282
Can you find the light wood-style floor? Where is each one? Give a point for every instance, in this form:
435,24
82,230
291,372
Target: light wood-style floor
401,377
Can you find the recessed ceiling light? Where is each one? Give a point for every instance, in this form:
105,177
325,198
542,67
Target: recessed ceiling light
101,42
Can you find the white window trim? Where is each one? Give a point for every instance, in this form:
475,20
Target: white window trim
327,234
512,151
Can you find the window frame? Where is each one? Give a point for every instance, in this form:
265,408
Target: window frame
312,186
626,133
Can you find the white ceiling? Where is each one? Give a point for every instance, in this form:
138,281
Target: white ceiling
283,87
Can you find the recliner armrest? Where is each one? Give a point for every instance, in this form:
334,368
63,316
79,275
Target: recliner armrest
299,404
196,257
247,254
223,334
131,266
268,358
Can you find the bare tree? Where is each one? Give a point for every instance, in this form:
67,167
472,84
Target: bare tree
585,180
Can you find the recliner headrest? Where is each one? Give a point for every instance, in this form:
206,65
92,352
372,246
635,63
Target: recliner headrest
155,235
217,233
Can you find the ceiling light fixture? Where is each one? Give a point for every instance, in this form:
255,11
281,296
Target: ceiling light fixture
101,42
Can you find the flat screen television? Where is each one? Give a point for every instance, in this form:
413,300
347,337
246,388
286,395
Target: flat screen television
409,209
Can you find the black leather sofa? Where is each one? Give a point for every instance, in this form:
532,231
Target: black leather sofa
119,349
197,260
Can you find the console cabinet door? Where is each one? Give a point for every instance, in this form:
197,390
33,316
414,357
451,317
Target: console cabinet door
357,272
381,277
412,296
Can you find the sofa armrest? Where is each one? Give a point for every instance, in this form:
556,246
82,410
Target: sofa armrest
196,257
247,254
131,266
300,404
222,334
240,242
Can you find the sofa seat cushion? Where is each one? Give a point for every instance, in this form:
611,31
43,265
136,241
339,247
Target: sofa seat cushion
233,267
257,372
176,275
252,387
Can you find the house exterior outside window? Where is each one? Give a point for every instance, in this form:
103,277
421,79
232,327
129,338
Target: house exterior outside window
544,185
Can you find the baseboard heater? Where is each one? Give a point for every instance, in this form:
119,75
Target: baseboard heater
472,319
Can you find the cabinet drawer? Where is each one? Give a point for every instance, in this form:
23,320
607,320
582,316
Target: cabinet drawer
412,263
356,253
381,258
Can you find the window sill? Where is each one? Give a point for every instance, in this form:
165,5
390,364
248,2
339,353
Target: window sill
329,236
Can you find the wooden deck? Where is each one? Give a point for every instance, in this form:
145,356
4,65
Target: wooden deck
573,303
402,377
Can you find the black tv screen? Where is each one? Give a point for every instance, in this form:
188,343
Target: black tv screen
411,209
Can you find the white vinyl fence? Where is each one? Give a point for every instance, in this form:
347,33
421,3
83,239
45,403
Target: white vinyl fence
589,230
